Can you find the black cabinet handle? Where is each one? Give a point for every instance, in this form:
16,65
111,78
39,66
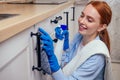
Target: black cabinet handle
38,51
67,18
56,19
73,19
59,18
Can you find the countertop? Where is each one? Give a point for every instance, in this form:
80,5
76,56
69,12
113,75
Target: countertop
29,14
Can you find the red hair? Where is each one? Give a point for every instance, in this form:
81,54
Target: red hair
105,12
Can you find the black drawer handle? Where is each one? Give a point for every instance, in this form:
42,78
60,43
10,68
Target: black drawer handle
55,21
39,51
67,20
73,19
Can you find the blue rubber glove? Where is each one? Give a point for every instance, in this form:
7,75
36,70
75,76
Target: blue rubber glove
58,33
49,49
66,39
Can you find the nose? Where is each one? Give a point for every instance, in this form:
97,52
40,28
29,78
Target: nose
81,20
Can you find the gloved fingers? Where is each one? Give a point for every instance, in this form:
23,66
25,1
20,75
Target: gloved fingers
48,50
59,36
44,35
58,33
47,43
43,32
46,38
57,30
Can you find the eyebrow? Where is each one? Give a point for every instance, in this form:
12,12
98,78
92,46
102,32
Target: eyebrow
87,16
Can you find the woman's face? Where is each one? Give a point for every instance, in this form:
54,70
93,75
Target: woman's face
89,22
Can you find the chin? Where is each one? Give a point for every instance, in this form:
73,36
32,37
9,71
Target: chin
81,32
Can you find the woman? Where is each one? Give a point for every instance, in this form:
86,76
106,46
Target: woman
87,56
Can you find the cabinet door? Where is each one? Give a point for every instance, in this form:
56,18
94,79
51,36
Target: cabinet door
49,27
15,60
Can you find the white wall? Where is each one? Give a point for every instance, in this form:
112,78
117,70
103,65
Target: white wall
114,29
78,10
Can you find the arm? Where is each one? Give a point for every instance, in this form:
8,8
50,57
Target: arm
87,71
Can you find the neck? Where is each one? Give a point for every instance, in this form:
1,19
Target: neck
87,39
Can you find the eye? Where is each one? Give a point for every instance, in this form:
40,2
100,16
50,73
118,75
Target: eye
90,19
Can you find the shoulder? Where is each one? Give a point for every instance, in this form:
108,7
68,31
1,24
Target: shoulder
94,61
91,67
96,47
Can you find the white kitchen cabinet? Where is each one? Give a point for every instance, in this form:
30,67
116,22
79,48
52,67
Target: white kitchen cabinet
49,27
18,54
18,1
15,57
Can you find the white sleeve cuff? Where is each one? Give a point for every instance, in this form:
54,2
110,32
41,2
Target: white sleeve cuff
58,75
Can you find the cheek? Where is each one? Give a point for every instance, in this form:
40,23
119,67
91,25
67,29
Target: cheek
92,27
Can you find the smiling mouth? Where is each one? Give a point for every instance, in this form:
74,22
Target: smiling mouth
82,27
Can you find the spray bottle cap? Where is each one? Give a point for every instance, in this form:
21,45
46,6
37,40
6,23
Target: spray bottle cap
64,27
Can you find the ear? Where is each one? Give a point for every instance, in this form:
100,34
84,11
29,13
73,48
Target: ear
102,27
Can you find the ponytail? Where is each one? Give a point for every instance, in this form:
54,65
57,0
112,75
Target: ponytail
105,38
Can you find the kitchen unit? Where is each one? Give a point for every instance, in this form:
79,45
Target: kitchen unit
16,1
49,1
17,47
